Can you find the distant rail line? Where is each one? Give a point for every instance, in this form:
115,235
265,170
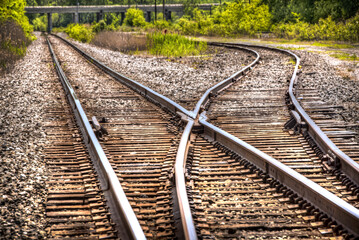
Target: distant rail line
212,172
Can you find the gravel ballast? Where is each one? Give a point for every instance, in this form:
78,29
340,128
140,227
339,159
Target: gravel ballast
321,73
183,80
23,99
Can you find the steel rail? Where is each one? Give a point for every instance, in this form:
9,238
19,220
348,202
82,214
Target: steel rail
158,98
183,203
344,213
347,165
225,83
184,208
112,184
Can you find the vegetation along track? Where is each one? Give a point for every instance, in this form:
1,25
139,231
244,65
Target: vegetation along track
255,110
139,138
230,163
75,205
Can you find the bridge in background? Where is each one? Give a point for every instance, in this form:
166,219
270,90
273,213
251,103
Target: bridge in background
101,9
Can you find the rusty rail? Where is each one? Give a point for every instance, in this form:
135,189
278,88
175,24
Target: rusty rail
225,83
341,211
347,165
184,208
110,182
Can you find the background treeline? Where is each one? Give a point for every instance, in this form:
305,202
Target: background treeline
15,31
300,19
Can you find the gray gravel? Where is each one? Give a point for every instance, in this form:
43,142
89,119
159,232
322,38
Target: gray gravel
22,164
321,73
183,80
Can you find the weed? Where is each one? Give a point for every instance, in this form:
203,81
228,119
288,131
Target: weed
343,56
292,48
173,45
332,45
291,61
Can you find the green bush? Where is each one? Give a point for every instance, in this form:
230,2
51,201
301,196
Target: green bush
15,32
79,32
161,24
99,27
15,10
325,29
234,19
134,18
39,23
173,45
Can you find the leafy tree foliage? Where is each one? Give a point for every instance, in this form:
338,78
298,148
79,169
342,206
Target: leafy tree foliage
312,10
13,10
135,18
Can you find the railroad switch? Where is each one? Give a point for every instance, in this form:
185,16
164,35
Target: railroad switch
295,123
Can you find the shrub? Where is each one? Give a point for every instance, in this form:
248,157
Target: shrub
79,32
134,18
325,29
15,31
39,23
13,43
99,27
15,10
233,19
173,45
161,24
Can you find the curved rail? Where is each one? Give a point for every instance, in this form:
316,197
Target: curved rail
225,83
341,211
112,185
335,207
165,102
184,208
346,164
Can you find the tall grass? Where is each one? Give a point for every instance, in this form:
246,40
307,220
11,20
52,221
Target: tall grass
120,41
173,45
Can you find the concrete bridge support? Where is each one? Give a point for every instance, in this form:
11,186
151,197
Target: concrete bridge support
49,22
100,16
122,17
75,17
168,15
148,16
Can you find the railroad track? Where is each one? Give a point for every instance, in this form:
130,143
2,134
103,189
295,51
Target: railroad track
218,152
140,140
231,200
255,110
75,206
343,134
